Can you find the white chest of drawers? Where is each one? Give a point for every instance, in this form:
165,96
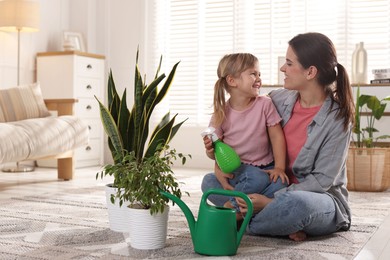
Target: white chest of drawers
73,74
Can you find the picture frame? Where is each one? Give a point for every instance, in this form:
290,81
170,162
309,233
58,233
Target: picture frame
73,41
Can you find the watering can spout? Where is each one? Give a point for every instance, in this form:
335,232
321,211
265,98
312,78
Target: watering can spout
186,210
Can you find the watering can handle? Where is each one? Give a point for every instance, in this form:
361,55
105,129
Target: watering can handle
232,193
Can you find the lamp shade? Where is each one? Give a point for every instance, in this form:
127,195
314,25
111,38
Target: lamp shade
19,15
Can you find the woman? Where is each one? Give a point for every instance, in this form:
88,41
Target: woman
316,106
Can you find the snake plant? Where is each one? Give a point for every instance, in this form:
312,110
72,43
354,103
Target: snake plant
128,133
129,130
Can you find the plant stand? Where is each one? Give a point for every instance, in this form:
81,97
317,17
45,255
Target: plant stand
117,216
147,231
368,169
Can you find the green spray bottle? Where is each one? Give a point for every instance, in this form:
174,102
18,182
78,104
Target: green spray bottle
225,156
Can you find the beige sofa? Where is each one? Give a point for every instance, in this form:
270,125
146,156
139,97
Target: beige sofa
28,131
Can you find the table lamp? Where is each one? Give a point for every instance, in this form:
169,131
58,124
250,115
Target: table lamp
19,16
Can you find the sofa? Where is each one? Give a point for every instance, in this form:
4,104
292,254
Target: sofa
32,128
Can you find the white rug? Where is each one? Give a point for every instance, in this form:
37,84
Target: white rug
73,224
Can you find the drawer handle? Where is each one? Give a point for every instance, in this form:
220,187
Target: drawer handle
88,107
89,87
88,148
89,127
89,66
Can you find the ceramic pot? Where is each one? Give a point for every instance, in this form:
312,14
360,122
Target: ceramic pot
117,216
147,231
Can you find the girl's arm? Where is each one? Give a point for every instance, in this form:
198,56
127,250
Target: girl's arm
221,177
278,143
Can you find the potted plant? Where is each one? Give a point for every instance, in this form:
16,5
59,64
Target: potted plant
368,166
143,162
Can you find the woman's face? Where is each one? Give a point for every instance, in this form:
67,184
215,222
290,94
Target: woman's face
294,74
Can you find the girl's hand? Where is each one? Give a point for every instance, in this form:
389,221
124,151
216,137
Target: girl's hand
276,173
208,144
258,201
223,178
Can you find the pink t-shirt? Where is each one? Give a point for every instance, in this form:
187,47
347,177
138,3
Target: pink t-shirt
295,133
246,131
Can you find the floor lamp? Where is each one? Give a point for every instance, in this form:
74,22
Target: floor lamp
19,16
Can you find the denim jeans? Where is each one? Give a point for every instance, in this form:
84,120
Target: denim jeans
247,179
289,212
292,211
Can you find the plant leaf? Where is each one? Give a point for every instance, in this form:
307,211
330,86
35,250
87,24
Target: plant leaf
111,128
160,138
138,108
176,128
122,121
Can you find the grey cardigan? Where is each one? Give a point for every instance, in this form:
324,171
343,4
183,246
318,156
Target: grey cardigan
320,165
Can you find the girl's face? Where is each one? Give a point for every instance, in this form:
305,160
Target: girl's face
295,76
249,82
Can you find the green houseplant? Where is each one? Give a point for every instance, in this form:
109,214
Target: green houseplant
143,160
368,165
375,109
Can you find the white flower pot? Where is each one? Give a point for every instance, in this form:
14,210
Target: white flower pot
147,231
117,216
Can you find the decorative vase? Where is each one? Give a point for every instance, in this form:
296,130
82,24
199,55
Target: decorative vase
359,64
117,215
368,169
147,231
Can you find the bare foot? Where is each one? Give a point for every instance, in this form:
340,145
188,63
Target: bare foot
264,201
298,236
229,205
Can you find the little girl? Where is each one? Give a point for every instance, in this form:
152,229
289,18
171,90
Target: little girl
249,123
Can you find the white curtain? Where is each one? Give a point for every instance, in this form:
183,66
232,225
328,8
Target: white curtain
199,32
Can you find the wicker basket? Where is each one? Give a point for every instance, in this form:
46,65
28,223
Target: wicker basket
368,169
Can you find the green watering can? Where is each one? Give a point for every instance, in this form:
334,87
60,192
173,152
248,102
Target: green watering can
215,232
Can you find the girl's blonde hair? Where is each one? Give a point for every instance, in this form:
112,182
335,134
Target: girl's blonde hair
233,65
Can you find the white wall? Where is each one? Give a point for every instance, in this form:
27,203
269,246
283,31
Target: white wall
111,28
125,29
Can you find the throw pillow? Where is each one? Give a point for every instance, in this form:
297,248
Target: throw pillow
22,102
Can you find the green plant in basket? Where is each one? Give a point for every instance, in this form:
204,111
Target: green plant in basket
142,161
375,109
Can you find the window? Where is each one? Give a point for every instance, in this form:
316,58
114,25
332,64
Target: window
199,32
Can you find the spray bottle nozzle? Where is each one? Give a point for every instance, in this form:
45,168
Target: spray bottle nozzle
210,132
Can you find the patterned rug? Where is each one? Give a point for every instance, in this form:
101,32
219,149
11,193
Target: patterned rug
73,224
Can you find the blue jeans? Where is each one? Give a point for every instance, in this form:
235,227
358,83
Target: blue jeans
247,179
292,211
289,212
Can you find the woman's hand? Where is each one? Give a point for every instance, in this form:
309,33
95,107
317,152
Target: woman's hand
276,173
258,201
223,178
